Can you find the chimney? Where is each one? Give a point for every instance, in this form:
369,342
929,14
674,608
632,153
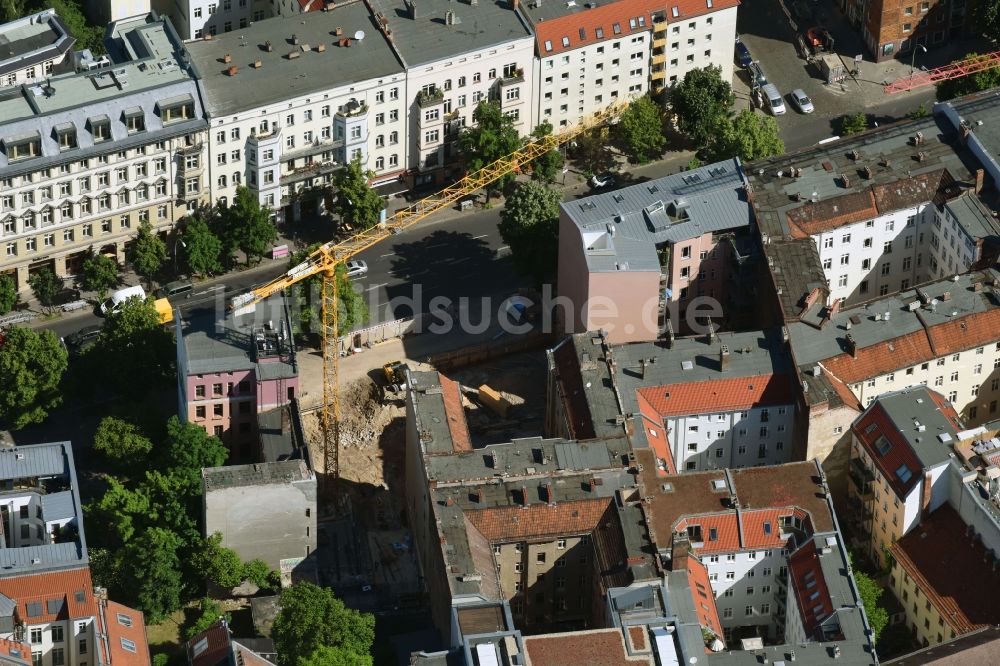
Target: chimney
524,496
642,368
232,70
550,494
946,296
868,172
979,180
477,495
228,58
852,346
855,155
449,502
257,64
963,133
338,32
919,138
295,40
845,181
925,496
921,156
268,47
412,10
724,357
886,162
515,4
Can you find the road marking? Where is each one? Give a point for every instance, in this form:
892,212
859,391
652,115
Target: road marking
390,254
480,236
210,290
458,261
502,248
376,286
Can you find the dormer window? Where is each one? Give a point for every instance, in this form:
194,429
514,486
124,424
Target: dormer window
23,147
176,109
66,136
100,128
135,121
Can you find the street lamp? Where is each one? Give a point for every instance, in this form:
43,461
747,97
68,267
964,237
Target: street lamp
184,245
914,56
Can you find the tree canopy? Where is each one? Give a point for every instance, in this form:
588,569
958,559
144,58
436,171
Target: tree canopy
133,343
147,253
32,363
356,203
100,273
529,224
699,100
853,123
352,310
310,617
8,294
592,153
640,130
493,136
751,136
71,13
189,448
121,442
246,225
201,247
45,286
152,563
209,614
546,167
982,80
986,19
221,565
870,593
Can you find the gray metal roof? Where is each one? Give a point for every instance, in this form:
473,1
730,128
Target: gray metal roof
280,79
7,606
36,460
259,474
427,38
907,408
973,216
432,419
58,506
36,559
813,345
620,229
32,40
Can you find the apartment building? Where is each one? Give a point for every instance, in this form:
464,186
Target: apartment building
289,102
632,261
230,370
899,463
699,404
456,55
505,538
47,599
90,155
886,212
35,47
700,33
216,647
945,578
196,18
891,28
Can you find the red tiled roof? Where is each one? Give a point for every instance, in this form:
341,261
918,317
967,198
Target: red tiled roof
656,435
815,218
702,596
753,523
969,331
600,647
15,652
879,359
951,570
512,523
589,20
62,587
727,534
117,631
217,646
843,390
451,392
810,588
872,425
719,395
913,191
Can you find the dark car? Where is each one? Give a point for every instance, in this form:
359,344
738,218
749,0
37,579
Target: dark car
743,57
83,339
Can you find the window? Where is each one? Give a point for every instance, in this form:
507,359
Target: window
57,633
127,645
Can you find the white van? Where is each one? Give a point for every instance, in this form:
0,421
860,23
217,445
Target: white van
114,304
773,97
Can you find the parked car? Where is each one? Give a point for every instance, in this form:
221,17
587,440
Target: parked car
356,268
603,180
177,288
802,101
83,339
742,53
757,74
114,304
773,99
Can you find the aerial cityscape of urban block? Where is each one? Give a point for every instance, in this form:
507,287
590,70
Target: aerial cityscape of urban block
499,332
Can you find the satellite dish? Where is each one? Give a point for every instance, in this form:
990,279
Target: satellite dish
359,35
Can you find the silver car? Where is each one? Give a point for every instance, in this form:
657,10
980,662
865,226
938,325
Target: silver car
802,101
356,268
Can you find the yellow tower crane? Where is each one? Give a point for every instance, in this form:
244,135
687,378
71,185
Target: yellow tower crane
324,261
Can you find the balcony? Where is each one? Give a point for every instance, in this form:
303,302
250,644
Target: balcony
190,148
353,109
861,477
659,58
316,147
426,99
517,76
310,171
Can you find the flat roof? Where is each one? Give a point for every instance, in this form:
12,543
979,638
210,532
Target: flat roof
32,40
977,647
428,38
259,474
280,78
620,229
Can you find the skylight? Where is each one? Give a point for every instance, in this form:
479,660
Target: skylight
904,473
767,528
882,445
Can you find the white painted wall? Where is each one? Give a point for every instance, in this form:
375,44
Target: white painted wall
732,439
699,42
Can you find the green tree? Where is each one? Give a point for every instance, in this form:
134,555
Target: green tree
529,224
965,85
100,273
8,294
592,153
202,248
121,441
121,512
546,167
173,505
188,449
12,9
71,13
986,19
133,343
220,565
32,363
917,113
325,655
45,286
356,203
151,573
352,310
493,136
870,594
310,617
247,225
148,252
699,100
260,573
853,123
209,614
640,130
750,136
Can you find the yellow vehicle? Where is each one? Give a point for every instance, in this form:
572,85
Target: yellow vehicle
164,309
